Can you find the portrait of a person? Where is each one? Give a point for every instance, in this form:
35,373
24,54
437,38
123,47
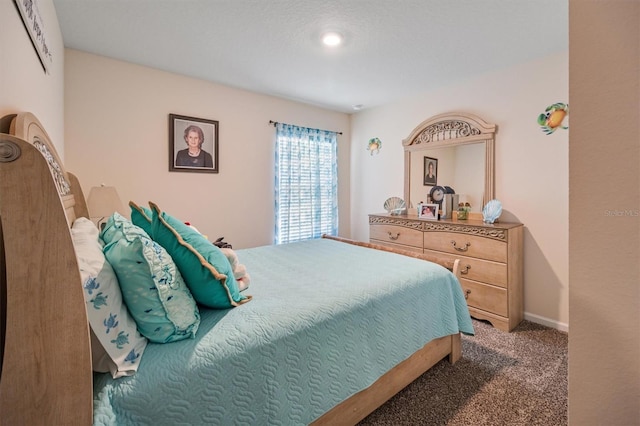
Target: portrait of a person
430,177
193,155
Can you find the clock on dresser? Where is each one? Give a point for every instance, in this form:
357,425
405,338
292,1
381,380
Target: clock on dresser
437,194
446,198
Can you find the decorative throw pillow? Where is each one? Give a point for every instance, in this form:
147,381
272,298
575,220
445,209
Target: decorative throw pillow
116,344
141,216
152,287
205,268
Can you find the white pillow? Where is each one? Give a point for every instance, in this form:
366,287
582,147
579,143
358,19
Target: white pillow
120,345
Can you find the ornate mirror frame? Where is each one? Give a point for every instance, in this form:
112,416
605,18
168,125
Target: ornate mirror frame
451,129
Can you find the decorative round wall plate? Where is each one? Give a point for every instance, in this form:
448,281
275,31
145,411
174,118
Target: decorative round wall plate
554,117
395,205
375,145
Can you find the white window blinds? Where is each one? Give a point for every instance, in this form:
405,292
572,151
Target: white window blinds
306,187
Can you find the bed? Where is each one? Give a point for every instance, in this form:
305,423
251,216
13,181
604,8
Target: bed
322,341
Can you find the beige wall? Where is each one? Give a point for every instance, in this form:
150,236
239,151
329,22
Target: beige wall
117,134
604,205
530,167
24,86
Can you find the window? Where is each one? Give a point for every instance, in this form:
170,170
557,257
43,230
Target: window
306,187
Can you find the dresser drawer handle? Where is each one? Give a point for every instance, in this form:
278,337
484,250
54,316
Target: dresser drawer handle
465,271
466,294
466,246
391,237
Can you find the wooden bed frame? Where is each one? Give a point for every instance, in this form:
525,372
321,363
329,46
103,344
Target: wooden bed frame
45,352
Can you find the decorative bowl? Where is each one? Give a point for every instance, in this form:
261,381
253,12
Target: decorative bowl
492,211
395,205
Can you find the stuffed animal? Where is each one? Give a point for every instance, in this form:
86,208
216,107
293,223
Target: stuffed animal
239,270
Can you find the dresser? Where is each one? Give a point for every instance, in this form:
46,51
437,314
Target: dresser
491,259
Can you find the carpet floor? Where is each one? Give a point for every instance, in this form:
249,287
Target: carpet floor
517,378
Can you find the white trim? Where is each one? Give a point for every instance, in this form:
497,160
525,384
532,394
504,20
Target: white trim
547,322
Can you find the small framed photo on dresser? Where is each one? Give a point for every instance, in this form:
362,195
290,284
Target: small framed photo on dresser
428,211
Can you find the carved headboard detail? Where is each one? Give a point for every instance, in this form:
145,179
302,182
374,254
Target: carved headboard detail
449,129
463,127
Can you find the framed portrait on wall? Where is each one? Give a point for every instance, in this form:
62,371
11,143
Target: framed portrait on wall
430,171
193,144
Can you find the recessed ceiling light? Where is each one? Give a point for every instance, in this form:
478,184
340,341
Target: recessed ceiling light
332,39
357,107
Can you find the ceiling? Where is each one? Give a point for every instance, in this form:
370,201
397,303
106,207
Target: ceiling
392,48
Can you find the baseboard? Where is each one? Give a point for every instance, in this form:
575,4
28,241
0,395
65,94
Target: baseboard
547,322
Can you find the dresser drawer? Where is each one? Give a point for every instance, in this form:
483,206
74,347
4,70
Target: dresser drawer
411,249
485,297
466,245
396,235
471,268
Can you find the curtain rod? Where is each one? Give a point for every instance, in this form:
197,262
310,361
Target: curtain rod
276,123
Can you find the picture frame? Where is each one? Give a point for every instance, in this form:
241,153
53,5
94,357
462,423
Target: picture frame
33,23
428,211
186,154
430,179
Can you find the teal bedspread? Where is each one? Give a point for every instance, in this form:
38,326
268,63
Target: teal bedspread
326,320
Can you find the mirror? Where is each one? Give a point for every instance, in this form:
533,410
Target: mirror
461,148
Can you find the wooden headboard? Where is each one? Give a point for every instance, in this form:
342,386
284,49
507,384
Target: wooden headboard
46,375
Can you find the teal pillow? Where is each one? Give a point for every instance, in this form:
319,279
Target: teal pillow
205,268
151,285
141,216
